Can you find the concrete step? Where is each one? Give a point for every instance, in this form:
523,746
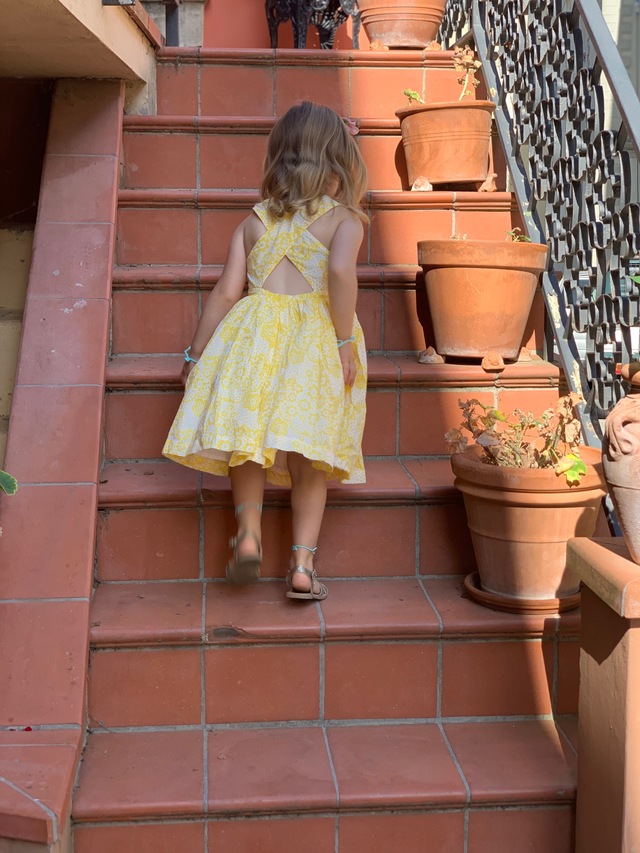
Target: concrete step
410,405
177,226
358,84
318,788
185,152
159,521
377,649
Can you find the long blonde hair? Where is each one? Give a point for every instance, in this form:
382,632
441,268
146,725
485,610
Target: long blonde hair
308,148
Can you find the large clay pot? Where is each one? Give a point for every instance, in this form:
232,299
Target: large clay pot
490,282
520,520
448,142
410,23
621,460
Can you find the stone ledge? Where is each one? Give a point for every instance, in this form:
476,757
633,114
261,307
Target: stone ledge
605,566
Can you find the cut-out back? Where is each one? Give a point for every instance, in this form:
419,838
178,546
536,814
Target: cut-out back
289,248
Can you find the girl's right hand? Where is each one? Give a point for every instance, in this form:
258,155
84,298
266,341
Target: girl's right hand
348,361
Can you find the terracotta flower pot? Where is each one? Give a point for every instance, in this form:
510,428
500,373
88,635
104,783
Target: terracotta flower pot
491,282
410,23
520,520
621,460
448,142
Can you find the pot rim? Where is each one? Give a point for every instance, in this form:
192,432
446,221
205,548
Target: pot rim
468,468
403,112
482,253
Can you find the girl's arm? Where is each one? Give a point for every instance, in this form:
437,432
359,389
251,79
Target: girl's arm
223,297
343,288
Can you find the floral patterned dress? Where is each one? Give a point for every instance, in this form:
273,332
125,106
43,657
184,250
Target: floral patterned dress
270,379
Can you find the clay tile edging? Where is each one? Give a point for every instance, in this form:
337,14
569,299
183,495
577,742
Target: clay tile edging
605,566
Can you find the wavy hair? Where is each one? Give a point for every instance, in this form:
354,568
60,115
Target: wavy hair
308,148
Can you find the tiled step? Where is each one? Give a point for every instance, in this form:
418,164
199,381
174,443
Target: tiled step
161,521
170,226
410,405
375,649
392,308
463,786
361,84
184,152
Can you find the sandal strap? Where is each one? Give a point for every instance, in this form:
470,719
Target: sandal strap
306,548
234,540
241,507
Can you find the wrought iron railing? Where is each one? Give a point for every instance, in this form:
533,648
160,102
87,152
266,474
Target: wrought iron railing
573,177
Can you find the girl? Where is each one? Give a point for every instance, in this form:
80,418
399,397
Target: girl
276,382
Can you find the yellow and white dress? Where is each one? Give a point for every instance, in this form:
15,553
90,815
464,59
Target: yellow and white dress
270,379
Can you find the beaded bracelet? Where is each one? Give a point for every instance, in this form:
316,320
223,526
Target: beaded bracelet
188,358
346,341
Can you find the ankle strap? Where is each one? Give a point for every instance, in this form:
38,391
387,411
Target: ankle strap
241,507
306,548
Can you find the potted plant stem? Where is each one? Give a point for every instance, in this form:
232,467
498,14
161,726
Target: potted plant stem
494,280
528,487
449,142
411,23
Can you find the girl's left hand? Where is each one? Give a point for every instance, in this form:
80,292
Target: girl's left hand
348,361
187,367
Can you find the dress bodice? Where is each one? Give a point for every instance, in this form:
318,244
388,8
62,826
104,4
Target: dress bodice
289,237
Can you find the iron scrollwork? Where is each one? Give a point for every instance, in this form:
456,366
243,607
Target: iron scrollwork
574,175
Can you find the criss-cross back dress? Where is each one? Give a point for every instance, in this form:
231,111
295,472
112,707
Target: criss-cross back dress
270,379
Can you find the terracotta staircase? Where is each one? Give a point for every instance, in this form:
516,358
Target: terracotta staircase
395,716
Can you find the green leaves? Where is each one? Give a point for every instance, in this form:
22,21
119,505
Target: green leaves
8,484
412,95
572,467
636,278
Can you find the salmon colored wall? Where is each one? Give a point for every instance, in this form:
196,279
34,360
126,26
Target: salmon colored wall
247,27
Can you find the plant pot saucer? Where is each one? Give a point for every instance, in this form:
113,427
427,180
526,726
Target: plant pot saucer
517,605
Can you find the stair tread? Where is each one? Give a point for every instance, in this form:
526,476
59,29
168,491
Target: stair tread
165,483
267,770
156,613
378,199
207,274
148,371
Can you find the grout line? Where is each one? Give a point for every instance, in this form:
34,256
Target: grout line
398,421
454,758
325,724
50,814
331,766
169,820
38,600
465,848
205,775
321,662
56,727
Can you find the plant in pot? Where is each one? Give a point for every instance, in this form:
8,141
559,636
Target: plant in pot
494,282
528,487
450,142
408,24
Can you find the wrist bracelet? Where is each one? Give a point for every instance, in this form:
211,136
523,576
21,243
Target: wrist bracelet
188,358
346,341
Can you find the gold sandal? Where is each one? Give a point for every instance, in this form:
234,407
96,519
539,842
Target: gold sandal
311,595
244,568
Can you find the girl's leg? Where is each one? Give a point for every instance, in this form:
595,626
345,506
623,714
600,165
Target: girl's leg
247,485
308,498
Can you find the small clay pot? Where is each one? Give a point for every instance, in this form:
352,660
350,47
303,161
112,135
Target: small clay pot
621,460
405,23
447,142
